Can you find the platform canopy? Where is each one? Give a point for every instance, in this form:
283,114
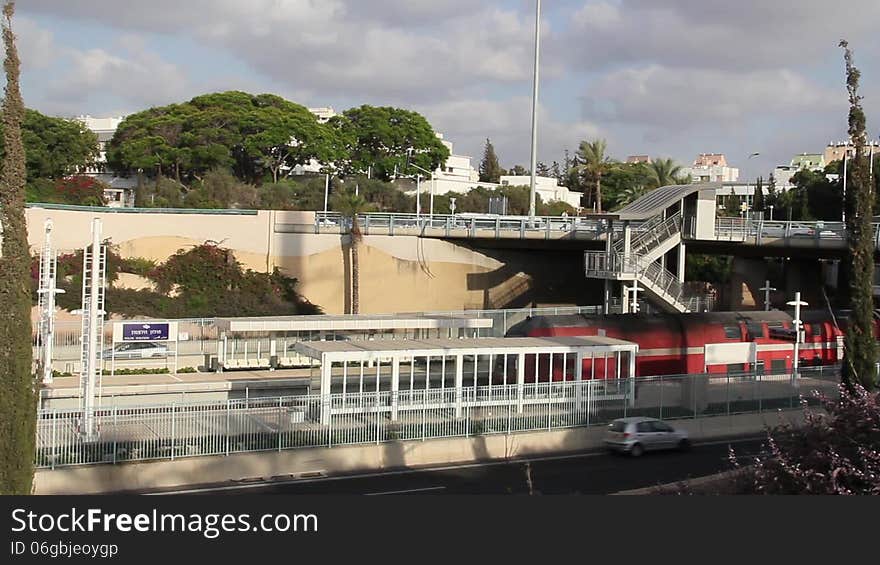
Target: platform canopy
332,351
378,322
387,358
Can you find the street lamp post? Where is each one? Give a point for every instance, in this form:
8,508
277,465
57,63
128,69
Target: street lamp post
767,290
771,212
797,303
452,206
534,160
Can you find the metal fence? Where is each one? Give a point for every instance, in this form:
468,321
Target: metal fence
290,422
202,333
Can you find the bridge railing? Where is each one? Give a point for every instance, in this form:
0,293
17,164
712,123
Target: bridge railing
128,434
762,231
466,225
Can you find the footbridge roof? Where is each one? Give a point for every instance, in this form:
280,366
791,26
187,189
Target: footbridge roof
657,200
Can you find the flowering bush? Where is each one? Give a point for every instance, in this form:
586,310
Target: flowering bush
837,452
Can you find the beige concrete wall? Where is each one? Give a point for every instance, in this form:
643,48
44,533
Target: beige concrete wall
363,458
401,273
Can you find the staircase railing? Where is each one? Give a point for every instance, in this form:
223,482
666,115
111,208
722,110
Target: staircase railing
662,282
651,234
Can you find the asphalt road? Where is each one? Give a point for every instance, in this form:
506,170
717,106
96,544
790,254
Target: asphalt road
591,473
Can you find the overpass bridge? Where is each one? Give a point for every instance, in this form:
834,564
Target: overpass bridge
644,243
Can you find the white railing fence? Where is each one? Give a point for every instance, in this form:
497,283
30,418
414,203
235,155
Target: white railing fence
290,422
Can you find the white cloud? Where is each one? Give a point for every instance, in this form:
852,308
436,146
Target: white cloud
468,122
131,72
656,96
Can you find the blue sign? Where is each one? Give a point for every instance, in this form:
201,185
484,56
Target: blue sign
145,332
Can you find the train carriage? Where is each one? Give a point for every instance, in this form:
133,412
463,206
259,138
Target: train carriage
674,344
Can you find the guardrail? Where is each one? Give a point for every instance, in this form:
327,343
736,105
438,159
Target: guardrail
284,423
109,210
465,225
762,232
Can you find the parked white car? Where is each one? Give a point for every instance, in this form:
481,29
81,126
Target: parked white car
136,350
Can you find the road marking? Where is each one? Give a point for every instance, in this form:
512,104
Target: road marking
265,484
427,489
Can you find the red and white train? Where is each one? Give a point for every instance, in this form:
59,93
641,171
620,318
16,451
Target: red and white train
675,344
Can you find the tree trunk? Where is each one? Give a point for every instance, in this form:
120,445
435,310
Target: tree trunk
355,277
599,194
18,389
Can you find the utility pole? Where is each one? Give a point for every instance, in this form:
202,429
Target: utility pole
797,303
47,292
326,192
767,290
533,183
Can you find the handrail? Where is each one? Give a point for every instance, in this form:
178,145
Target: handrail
663,282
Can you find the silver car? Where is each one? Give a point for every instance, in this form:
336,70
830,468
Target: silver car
136,350
637,435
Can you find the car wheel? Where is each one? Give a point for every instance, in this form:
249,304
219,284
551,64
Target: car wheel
684,445
637,450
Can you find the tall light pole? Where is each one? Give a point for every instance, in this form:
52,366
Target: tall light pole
767,290
326,192
845,157
432,186
533,183
797,303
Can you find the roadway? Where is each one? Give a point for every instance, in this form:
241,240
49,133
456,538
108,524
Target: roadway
589,473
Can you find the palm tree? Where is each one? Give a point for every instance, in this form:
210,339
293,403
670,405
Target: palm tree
351,205
631,194
665,172
592,162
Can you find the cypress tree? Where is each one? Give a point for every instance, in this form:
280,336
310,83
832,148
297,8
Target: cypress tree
861,348
18,393
758,202
490,170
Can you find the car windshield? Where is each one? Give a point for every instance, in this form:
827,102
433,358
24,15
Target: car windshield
617,426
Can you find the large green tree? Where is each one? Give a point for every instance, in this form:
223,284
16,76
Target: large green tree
490,169
861,346
758,202
18,393
254,135
382,140
55,147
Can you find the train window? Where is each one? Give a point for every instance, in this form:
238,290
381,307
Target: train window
732,332
755,329
777,365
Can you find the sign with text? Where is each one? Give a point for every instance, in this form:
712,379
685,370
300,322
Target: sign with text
730,353
144,331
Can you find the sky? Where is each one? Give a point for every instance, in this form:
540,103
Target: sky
665,78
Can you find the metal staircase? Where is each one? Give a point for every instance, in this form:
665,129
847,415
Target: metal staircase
649,243
653,239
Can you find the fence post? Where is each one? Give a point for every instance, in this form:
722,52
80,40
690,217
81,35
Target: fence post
550,395
227,425
625,396
281,419
377,416
661,397
115,428
467,415
53,452
173,441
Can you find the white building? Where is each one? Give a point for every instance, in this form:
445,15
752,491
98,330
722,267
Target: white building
120,193
711,167
323,114
104,128
548,188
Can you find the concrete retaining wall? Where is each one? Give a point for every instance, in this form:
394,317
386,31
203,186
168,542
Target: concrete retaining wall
365,458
